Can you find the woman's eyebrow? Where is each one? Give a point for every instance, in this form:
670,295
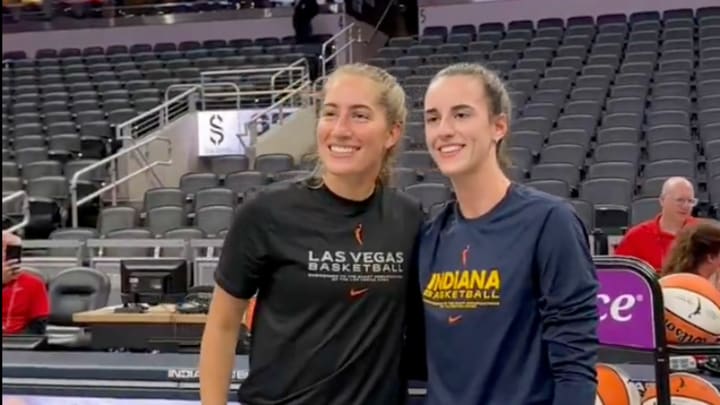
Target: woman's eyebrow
454,108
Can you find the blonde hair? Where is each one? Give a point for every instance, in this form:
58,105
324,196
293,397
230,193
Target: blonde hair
391,99
496,93
692,247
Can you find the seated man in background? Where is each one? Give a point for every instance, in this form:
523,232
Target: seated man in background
651,240
25,304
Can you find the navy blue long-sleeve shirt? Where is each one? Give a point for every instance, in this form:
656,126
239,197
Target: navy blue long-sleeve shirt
510,304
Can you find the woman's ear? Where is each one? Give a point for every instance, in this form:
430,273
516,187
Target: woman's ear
395,133
501,128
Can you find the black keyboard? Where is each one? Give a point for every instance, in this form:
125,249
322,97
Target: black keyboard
22,342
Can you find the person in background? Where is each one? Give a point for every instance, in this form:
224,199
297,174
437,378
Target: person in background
696,250
25,303
305,11
651,240
508,280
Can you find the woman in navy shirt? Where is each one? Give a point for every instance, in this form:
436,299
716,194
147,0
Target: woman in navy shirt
506,272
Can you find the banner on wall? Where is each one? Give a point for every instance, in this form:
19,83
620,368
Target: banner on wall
222,132
625,305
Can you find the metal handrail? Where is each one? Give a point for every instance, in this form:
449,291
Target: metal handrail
162,108
187,86
158,108
196,87
317,89
211,73
347,30
95,243
279,103
237,71
75,203
305,69
303,76
251,124
252,93
381,20
347,45
25,208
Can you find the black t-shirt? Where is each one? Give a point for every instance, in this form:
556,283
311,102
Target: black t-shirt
331,277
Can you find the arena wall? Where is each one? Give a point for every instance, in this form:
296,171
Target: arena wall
30,42
456,12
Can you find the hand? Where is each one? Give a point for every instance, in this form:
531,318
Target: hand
10,270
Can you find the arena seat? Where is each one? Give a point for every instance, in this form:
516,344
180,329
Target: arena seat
60,108
55,87
75,290
202,201
605,109
611,106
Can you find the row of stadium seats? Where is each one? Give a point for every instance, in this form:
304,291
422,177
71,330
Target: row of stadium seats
603,113
83,234
159,47
49,179
60,109
612,106
208,200
62,92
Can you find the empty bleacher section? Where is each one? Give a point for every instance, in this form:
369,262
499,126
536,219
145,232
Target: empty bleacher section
604,109
198,211
67,109
80,88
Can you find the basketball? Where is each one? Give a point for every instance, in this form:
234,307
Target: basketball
686,389
692,309
614,387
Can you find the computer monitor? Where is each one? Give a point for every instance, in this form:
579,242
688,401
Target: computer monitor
153,281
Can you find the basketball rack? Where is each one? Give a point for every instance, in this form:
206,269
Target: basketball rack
662,350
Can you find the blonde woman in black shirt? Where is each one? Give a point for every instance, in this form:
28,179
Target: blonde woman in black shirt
330,259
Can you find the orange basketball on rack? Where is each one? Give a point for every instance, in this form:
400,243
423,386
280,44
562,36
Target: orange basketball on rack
686,389
692,309
614,387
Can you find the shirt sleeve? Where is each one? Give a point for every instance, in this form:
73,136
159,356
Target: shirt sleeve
627,245
40,303
568,304
245,251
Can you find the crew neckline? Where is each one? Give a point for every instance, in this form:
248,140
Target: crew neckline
346,205
490,214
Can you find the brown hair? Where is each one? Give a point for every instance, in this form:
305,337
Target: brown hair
498,98
392,100
692,247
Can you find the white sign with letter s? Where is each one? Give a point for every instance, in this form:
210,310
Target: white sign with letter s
222,132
